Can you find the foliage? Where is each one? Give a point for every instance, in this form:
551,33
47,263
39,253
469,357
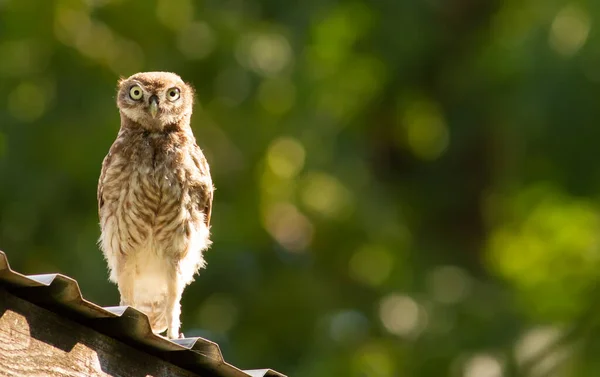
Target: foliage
404,188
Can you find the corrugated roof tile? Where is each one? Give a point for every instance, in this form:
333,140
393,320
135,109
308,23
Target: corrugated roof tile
61,294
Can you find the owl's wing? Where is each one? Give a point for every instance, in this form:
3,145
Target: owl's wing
208,206
105,164
205,187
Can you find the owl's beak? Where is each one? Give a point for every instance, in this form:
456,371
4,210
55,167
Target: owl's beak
153,105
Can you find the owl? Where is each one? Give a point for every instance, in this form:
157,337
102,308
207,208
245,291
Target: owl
155,198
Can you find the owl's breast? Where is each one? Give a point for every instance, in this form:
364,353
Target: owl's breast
158,189
144,199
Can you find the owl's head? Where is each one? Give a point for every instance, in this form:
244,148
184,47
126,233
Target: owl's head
155,100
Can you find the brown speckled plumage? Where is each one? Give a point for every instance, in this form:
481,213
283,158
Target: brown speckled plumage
155,198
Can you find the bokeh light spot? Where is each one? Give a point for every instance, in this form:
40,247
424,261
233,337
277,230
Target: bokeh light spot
371,264
99,44
326,195
175,14
290,228
267,54
483,365
548,245
197,40
129,57
348,326
335,33
71,25
21,57
449,284
424,128
97,41
569,30
351,87
285,157
275,189
402,316
27,102
538,342
373,360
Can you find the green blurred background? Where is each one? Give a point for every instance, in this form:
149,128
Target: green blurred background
404,188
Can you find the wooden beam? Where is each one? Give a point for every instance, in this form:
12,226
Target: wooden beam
37,342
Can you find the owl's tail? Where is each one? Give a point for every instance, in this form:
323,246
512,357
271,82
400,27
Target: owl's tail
156,314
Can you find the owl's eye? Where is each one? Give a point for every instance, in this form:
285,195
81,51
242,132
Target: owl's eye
173,94
135,93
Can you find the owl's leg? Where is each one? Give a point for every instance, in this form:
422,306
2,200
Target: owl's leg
126,284
173,306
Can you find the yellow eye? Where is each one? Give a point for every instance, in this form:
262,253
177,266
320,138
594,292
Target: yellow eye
135,92
173,94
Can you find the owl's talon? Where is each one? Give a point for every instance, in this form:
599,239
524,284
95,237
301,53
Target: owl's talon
181,336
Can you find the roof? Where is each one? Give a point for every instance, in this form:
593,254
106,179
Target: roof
61,294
